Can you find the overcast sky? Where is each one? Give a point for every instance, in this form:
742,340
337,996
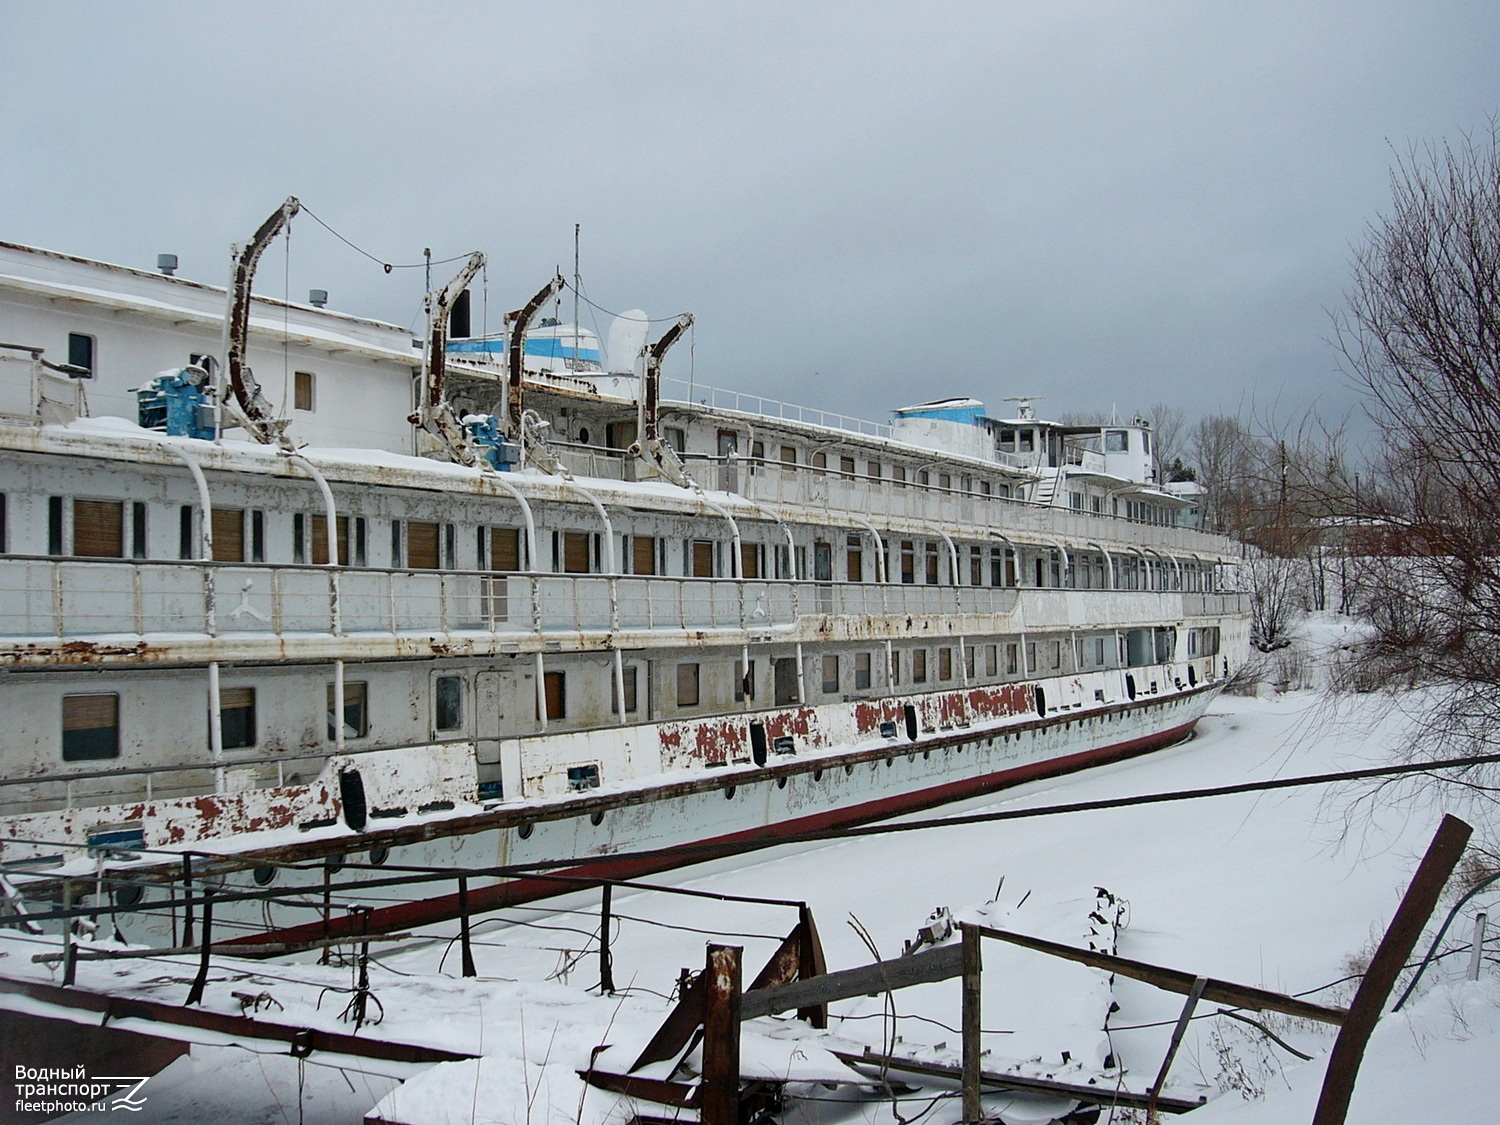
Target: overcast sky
865,205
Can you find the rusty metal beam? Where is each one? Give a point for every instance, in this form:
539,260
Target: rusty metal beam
1094,1095
811,963
647,1089
301,1039
673,1035
264,427
719,1103
1174,980
1389,959
651,398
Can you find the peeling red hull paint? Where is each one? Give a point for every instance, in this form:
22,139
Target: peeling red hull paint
443,908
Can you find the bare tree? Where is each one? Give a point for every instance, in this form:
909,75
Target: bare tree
1422,337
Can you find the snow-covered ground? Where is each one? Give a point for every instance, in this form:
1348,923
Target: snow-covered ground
1276,890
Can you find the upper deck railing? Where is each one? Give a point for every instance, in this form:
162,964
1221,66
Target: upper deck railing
718,398
74,598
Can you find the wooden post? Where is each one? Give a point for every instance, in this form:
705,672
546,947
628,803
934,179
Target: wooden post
1194,995
606,962
973,1110
1390,957
70,952
720,1104
466,950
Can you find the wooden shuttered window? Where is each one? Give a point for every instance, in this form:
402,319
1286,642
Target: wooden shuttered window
99,529
855,559
749,560
555,690
505,549
422,545
320,540
703,558
90,727
575,552
229,534
643,554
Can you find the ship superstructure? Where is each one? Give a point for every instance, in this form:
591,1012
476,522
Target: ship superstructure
514,599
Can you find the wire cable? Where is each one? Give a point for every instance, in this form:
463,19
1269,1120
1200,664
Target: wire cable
381,262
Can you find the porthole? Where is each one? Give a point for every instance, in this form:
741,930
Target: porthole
596,817
524,831
729,792
128,895
264,876
378,855
781,782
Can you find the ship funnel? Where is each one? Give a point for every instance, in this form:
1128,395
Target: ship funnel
627,336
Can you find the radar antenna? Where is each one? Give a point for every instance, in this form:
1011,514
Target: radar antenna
1023,405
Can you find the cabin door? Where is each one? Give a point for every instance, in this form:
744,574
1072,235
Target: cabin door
488,714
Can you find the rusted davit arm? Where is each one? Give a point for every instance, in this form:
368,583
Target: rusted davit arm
257,414
658,456
519,322
434,413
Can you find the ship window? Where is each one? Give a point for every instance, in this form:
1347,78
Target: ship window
1030,657
872,470
822,562
923,478
505,549
757,451
784,677
305,384
1098,650
703,558
237,717
908,562
448,703
575,552
675,437
320,540
687,685
969,658
750,560
855,559
945,481
919,666
90,727
932,564
744,684
976,566
583,777
945,663
1116,441
137,528
356,712
991,660
643,554
862,665
421,545
630,689
898,475
986,488
257,536
846,466
1055,657
820,460
361,539
99,529
229,534
1008,440
895,667
830,675
789,456
185,533
450,546
1028,441
555,690
81,352
54,525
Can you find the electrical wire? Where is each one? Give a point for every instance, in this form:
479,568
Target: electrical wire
600,308
381,262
